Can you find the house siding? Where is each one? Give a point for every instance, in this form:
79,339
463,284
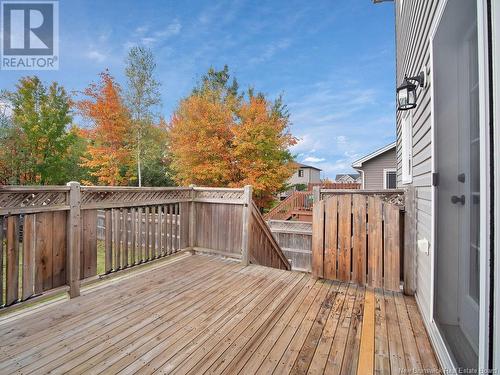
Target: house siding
373,170
311,175
413,23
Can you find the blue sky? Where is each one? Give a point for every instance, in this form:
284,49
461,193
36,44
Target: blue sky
333,61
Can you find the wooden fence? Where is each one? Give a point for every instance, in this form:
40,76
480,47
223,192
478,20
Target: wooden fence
334,185
54,237
358,237
294,238
394,196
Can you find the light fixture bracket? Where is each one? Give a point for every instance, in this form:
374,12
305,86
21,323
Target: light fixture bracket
420,79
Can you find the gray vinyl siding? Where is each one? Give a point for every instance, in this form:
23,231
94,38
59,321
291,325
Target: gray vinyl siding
373,169
311,175
413,23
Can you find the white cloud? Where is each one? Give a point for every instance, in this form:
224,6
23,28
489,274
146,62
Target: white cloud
142,29
96,55
146,36
341,139
270,50
173,29
148,41
306,144
313,159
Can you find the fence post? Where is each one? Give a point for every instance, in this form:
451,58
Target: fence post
192,218
74,233
409,252
316,194
247,215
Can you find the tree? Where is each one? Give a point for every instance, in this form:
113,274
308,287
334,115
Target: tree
200,141
35,137
155,166
219,137
260,146
142,97
109,153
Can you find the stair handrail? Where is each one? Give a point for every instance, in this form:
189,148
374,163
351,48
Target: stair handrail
257,248
296,200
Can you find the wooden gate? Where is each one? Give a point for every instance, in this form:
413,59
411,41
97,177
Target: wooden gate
357,238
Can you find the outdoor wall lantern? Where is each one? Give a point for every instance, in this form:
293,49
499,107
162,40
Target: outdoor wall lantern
407,91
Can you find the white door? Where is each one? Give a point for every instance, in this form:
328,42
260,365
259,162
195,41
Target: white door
456,103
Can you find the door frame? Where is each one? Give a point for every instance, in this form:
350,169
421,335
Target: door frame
442,352
495,37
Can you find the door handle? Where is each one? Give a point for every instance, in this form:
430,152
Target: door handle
458,199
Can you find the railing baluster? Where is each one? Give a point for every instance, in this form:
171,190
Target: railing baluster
146,237
12,276
108,241
1,259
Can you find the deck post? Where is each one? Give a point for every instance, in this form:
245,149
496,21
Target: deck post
192,218
316,194
74,240
247,216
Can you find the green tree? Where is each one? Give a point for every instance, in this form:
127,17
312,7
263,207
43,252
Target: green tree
142,98
155,167
36,139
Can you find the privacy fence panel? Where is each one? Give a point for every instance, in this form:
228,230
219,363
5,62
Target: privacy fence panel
220,228
33,242
358,237
294,238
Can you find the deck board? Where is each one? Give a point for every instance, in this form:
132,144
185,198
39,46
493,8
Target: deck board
204,314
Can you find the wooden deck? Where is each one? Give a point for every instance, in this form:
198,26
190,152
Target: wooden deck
202,314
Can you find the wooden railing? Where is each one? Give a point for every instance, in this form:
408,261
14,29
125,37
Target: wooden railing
294,238
358,237
334,185
49,235
262,247
297,201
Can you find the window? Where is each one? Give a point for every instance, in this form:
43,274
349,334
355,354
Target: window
390,179
406,148
301,173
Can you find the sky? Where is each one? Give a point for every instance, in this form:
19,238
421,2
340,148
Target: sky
333,61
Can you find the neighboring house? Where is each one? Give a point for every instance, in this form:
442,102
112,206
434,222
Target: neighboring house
448,139
348,178
305,174
378,169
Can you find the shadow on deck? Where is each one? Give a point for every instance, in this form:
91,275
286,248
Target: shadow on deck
198,313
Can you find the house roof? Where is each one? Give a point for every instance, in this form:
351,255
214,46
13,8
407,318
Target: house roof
353,175
358,163
300,165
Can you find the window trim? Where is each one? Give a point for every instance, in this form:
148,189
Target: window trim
299,173
407,148
392,170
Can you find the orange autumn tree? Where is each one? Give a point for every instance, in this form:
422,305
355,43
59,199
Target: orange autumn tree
260,146
219,137
200,136
109,154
